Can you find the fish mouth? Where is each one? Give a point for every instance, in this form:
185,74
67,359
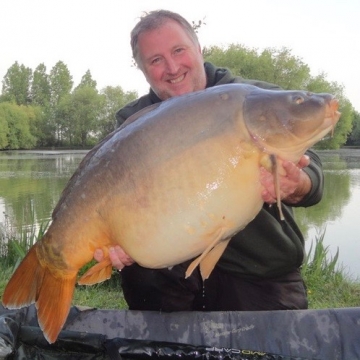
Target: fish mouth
333,113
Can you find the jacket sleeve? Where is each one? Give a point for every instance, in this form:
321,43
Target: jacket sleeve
315,172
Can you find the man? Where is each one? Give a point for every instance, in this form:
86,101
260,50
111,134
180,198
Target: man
259,270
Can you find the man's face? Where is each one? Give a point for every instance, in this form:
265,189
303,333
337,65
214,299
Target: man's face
171,62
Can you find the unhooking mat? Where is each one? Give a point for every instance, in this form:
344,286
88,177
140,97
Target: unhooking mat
93,334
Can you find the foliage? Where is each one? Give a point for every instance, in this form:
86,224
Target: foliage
81,116
15,245
86,105
354,138
16,84
15,133
196,25
327,284
40,87
87,80
271,65
58,115
4,129
60,84
114,99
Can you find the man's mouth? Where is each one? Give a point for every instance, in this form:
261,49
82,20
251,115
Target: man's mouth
177,80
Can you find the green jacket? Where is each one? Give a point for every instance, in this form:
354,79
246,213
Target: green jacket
267,247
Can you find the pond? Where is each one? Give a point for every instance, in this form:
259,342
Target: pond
338,212
31,183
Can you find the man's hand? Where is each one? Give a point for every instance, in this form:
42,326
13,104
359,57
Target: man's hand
118,257
294,182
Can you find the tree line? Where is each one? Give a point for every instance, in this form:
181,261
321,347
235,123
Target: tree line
40,109
44,109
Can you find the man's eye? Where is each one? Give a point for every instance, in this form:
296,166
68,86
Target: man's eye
179,50
155,61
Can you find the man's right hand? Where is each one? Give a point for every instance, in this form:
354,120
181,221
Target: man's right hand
117,255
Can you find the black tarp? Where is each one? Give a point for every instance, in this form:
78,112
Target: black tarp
113,334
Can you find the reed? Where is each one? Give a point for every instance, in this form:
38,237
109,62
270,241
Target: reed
328,284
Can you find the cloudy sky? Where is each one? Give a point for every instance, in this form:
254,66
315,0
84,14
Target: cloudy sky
94,34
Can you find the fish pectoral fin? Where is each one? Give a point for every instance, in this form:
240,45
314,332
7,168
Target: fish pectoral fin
210,260
218,247
98,273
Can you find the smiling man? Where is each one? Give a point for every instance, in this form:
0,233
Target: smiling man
259,269
170,59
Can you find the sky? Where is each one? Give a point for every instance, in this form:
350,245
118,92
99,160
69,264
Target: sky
94,35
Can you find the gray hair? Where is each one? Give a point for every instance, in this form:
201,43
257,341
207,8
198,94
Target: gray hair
153,20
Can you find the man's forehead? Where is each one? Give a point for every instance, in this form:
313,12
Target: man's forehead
172,36
168,29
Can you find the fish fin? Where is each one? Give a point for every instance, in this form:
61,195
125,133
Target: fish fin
275,171
210,260
200,258
98,273
32,282
24,284
53,303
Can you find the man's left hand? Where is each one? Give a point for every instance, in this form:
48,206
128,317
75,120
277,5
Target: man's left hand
294,182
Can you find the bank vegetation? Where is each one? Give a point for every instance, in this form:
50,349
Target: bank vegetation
328,284
42,108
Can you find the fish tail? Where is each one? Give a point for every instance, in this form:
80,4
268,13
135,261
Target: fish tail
53,303
52,294
23,287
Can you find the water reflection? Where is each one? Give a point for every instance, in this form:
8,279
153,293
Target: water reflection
31,183
337,213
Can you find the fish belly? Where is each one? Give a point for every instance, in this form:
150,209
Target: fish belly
187,202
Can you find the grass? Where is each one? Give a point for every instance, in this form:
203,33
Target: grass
327,283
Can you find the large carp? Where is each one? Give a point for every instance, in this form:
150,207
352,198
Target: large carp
176,182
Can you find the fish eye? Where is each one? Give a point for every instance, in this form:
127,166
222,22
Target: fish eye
298,99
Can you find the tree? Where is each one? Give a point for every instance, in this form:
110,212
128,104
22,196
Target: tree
60,86
4,128
37,123
114,99
16,84
61,82
354,138
279,67
78,115
87,80
87,104
40,87
18,134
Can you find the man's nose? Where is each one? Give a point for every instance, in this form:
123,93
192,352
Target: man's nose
171,66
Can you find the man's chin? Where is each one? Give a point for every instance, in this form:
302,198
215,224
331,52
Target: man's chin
174,91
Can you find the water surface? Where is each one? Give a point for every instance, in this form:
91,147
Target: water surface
31,183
